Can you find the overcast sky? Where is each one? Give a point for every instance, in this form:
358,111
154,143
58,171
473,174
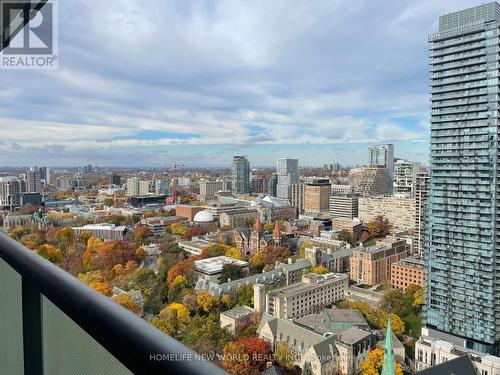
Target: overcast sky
200,81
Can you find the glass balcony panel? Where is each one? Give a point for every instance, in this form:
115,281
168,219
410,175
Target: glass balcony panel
11,324
68,349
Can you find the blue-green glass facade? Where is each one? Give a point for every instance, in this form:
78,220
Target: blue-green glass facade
463,292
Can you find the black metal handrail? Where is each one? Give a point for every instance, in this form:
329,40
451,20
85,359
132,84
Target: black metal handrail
130,339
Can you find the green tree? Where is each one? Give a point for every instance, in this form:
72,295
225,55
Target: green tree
230,272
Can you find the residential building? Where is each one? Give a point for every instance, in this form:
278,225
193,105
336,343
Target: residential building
258,185
297,197
370,181
144,188
435,348
399,210
408,271
240,175
211,268
462,258
272,183
421,200
10,187
344,206
287,171
45,175
161,187
64,183
372,265
34,180
208,189
403,182
133,186
237,319
103,231
317,195
310,295
382,155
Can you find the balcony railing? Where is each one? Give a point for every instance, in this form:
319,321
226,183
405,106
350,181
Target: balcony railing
52,323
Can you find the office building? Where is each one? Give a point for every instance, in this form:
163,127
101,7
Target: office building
408,271
258,185
463,294
240,175
209,188
342,189
34,180
421,195
344,206
45,175
103,231
136,187
372,265
399,210
144,187
114,179
382,156
317,195
287,171
369,181
272,183
297,197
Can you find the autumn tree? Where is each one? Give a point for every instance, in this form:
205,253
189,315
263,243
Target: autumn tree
126,301
244,295
319,270
250,353
183,268
214,250
175,291
234,253
50,252
102,287
374,363
302,248
283,355
204,335
193,232
141,233
379,226
206,301
230,272
236,358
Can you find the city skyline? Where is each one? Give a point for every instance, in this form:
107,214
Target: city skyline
146,111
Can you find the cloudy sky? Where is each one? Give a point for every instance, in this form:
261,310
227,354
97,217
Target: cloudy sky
200,81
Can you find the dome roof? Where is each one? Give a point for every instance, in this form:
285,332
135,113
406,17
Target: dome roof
203,217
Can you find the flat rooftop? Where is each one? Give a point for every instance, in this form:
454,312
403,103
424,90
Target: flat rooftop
238,312
301,287
215,264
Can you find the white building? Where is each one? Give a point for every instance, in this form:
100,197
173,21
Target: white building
103,231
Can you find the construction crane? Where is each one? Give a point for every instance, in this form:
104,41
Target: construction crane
174,182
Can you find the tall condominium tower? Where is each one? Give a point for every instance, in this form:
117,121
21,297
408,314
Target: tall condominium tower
34,180
272,184
240,175
382,156
463,293
288,175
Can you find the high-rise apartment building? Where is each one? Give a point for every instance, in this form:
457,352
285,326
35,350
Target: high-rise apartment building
161,187
132,186
288,175
370,181
297,198
34,180
10,187
403,180
240,175
258,185
421,193
317,195
382,156
45,175
271,185
463,258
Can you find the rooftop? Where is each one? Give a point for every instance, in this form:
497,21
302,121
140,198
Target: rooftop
238,312
314,281
100,226
215,264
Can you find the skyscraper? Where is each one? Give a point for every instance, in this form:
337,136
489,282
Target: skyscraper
33,180
288,175
272,184
463,294
240,175
382,156
45,174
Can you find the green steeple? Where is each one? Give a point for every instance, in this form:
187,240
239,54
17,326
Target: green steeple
388,367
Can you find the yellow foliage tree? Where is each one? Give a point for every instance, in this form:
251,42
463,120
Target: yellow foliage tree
102,287
319,270
233,252
302,248
206,301
50,252
182,312
374,362
126,301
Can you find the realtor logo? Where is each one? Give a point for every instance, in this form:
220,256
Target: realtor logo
33,46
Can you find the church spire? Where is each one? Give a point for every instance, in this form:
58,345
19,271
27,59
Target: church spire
388,367
258,225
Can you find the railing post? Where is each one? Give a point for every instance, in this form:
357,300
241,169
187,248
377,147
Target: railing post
32,328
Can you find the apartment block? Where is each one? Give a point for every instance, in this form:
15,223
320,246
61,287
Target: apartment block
399,210
372,265
370,181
